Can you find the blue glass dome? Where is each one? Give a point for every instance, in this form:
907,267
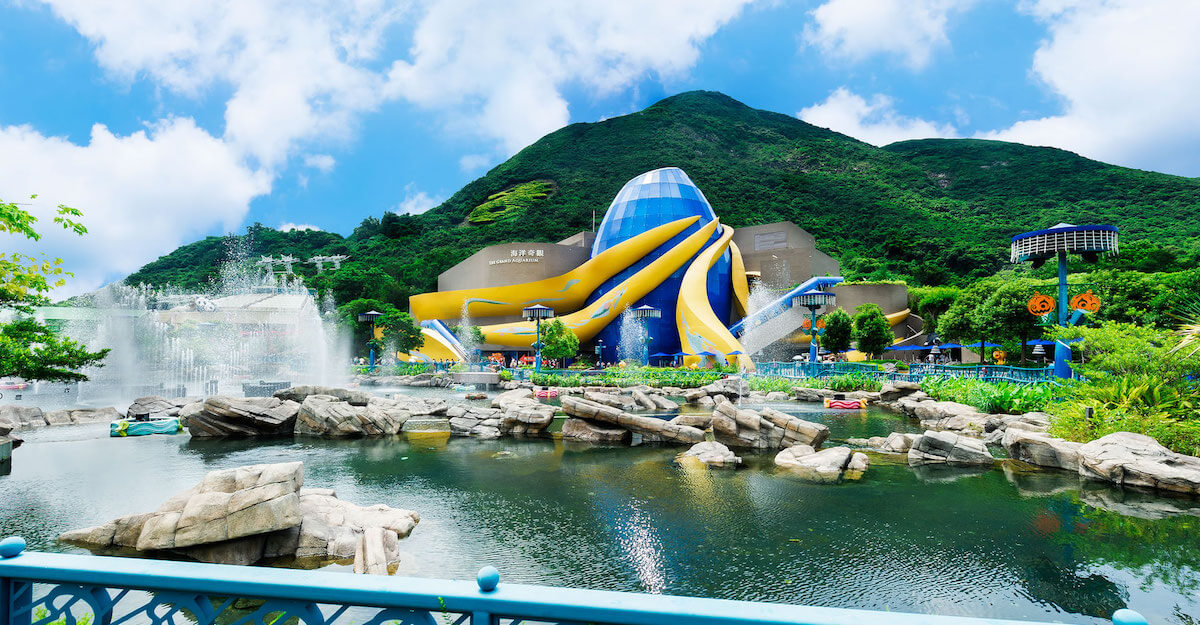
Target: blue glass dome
647,201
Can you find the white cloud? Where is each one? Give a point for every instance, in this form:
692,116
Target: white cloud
1128,74
474,162
321,162
289,226
416,201
499,68
874,121
298,69
300,75
858,29
142,195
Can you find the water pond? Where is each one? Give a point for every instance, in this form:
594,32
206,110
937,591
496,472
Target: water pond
999,543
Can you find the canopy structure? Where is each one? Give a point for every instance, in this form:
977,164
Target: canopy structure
1040,245
908,348
985,344
950,346
661,355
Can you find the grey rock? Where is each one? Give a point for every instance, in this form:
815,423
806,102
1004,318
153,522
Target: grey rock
1132,459
151,407
711,453
16,418
300,393
643,400
658,428
1040,449
825,466
948,447
238,416
893,391
583,430
608,399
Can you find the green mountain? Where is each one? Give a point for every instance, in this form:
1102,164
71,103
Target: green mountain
931,211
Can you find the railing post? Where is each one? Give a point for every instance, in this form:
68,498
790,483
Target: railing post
16,597
1125,616
487,578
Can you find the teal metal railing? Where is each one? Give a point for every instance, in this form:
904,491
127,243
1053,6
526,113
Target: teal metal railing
916,371
64,589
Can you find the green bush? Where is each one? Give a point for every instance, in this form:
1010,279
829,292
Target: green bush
1144,404
768,384
844,383
989,397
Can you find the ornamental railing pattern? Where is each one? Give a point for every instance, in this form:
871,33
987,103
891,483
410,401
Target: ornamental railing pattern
64,589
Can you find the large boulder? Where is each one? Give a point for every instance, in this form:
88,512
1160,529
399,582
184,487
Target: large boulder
731,387
950,448
151,407
506,397
651,428
474,421
1040,449
893,391
952,416
326,415
248,514
238,416
763,429
710,453
17,418
300,393
583,430
611,399
1132,459
828,465
894,443
75,416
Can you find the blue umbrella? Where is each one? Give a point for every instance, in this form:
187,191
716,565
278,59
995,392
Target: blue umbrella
735,353
682,354
976,345
706,354
660,355
949,346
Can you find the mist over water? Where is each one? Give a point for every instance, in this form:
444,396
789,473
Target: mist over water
249,325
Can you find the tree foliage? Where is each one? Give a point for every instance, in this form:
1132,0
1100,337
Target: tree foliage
871,330
559,341
839,332
28,348
757,167
398,329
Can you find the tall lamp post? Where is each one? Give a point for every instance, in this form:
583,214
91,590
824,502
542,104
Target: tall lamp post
371,316
599,352
1039,246
644,314
814,302
536,313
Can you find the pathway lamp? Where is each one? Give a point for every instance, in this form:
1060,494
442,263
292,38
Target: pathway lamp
935,351
370,316
1039,353
644,314
1039,246
813,302
599,352
536,313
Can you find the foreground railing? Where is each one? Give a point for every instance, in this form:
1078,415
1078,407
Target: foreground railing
61,589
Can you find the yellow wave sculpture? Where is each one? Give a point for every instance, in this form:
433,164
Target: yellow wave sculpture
699,328
564,293
741,286
587,322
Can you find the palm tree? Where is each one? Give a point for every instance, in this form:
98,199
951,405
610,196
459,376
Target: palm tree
1189,327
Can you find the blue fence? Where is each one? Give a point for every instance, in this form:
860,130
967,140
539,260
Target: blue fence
916,371
48,589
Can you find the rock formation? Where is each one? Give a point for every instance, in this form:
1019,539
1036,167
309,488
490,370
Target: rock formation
763,429
651,428
1132,459
825,466
243,416
254,513
710,453
950,448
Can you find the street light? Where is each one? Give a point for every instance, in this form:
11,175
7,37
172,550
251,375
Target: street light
536,313
644,314
599,351
1039,352
813,302
371,316
934,352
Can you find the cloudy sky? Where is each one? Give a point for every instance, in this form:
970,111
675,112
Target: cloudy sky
168,121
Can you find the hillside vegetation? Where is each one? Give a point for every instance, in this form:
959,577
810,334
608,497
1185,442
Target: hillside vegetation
932,211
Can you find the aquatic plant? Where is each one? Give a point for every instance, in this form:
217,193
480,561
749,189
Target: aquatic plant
990,397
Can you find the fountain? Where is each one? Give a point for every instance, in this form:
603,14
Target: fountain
248,327
632,336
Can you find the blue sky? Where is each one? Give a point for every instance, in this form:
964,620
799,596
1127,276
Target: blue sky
166,122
